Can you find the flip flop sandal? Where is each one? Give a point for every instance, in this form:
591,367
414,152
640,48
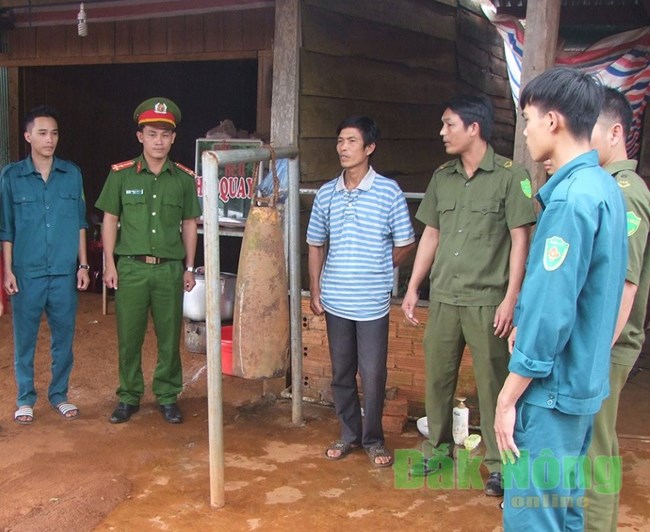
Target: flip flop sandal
24,411
377,451
340,445
65,408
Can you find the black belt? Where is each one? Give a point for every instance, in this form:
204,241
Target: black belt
148,259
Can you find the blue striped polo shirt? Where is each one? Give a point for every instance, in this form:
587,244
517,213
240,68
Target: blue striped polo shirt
361,226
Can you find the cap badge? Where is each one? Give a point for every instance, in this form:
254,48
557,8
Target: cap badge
160,108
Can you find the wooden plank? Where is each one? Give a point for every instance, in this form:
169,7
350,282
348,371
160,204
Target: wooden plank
264,93
478,28
319,117
73,42
177,41
140,36
213,28
257,29
122,40
431,18
50,41
232,30
233,55
105,33
482,79
371,80
505,116
158,35
194,33
22,43
473,53
333,33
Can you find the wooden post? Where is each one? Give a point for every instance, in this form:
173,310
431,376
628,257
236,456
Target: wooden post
540,43
284,132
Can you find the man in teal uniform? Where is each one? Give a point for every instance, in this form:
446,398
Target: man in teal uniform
154,201
43,233
608,138
566,311
477,212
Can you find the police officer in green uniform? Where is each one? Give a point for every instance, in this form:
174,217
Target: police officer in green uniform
608,138
150,209
477,212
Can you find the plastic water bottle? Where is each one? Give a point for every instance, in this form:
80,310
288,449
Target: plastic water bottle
460,423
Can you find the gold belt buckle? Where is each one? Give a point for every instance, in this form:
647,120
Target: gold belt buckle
151,260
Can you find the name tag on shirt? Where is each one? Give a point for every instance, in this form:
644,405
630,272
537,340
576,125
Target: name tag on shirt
135,192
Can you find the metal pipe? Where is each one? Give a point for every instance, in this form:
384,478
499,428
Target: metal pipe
294,290
250,155
407,195
210,163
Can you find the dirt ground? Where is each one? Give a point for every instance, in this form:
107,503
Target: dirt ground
60,475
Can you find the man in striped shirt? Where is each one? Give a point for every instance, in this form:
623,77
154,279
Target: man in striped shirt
363,218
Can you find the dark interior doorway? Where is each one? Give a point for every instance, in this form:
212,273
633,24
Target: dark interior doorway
96,103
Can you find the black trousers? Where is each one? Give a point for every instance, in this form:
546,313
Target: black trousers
358,346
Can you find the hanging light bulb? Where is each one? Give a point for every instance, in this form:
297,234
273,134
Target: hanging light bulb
82,26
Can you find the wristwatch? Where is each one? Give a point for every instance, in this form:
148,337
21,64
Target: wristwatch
84,267
189,269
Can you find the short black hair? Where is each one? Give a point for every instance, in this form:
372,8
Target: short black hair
36,112
474,108
575,95
617,108
367,126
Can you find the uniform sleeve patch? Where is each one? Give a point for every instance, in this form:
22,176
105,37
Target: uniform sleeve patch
554,253
623,183
527,188
633,223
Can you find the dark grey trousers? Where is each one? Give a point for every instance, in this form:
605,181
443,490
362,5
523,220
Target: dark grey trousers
358,346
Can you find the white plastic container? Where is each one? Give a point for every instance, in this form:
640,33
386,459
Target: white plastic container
194,301
460,422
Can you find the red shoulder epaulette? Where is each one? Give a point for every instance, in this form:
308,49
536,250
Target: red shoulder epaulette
123,165
185,169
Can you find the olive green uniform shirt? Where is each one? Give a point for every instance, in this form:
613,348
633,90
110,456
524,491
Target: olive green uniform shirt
150,207
474,217
637,198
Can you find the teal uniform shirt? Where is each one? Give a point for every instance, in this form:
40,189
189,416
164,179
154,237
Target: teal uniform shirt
637,198
475,217
42,218
150,208
571,294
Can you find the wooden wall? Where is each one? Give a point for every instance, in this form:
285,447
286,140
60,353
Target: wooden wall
219,36
396,66
393,61
482,68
